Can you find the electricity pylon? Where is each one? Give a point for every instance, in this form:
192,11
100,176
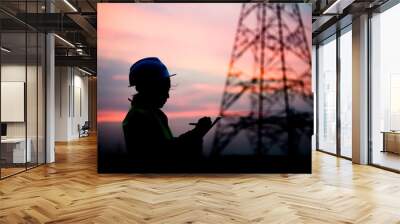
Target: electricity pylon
272,38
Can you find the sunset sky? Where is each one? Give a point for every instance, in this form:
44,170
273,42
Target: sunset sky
193,40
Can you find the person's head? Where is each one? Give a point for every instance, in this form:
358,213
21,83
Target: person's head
151,80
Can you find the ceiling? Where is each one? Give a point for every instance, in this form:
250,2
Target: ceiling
76,22
332,15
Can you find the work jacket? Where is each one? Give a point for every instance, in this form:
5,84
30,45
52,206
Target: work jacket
148,138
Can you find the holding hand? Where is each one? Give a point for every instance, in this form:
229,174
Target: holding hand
203,125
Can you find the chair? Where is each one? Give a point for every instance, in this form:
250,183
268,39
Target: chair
84,130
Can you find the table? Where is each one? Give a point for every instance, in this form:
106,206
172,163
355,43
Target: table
391,141
16,147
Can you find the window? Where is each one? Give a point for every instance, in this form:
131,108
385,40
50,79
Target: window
22,88
314,89
385,89
327,95
345,92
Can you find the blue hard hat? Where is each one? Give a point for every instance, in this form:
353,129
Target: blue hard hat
147,70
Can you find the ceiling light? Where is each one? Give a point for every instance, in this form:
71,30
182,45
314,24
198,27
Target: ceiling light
337,7
84,71
5,50
79,51
70,5
331,7
64,40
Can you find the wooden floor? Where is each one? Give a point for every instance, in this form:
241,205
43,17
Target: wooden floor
71,191
5,172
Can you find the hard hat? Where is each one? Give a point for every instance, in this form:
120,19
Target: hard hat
147,70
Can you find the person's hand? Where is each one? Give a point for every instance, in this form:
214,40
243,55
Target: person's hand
203,125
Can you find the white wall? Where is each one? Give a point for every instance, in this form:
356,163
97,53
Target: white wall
61,114
79,112
71,94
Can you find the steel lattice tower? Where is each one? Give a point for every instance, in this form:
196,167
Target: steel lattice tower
274,39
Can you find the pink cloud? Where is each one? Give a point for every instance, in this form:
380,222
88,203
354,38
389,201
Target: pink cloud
120,77
179,38
207,88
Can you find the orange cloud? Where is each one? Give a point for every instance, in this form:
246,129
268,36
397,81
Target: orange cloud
119,115
110,116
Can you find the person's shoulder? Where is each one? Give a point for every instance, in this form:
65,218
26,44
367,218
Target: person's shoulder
137,114
133,115
161,113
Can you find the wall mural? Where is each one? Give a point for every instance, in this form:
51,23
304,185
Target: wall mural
204,87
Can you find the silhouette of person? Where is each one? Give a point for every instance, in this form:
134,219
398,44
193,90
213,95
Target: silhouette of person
148,137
